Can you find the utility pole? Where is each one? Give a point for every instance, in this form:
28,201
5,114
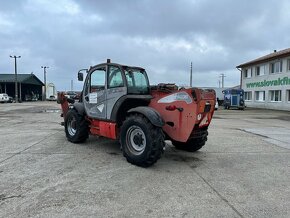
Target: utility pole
190,81
15,67
223,79
44,74
71,85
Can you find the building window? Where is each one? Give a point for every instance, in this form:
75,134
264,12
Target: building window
248,96
260,70
275,95
276,67
288,65
248,73
288,96
260,95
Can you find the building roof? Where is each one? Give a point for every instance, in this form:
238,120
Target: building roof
21,78
266,58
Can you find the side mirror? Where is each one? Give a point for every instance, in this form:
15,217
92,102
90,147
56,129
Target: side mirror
80,76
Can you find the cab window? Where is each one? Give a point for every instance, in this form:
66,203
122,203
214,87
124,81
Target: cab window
115,78
98,80
137,81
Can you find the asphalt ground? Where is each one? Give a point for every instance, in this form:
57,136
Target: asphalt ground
242,171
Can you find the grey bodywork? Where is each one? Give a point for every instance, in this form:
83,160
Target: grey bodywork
99,104
105,103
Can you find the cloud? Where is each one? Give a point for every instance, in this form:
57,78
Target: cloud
162,36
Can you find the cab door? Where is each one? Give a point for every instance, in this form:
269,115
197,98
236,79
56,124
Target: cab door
116,87
95,93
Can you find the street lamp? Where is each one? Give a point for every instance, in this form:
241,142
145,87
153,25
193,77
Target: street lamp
44,74
16,88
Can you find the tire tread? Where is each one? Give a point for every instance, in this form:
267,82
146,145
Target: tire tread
157,143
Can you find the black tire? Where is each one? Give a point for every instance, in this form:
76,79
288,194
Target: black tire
142,143
76,127
191,145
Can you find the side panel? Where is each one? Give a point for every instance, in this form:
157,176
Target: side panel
113,95
126,102
102,128
178,124
95,104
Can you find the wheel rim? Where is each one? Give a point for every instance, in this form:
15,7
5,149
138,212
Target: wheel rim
136,140
71,126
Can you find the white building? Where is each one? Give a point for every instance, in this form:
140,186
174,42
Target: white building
266,81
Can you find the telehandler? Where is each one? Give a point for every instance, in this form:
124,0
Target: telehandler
117,102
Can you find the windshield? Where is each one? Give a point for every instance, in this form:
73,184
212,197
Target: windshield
137,81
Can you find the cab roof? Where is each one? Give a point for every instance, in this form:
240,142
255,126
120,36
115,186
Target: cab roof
117,65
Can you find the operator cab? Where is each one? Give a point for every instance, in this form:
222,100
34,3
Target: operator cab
110,83
134,78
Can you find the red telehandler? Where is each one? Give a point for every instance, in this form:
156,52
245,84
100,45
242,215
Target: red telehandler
117,102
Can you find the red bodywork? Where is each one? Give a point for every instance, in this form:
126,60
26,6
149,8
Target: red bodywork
184,118
102,128
189,117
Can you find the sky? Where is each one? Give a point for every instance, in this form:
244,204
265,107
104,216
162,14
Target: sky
162,36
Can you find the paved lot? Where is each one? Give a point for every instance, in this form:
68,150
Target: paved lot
243,171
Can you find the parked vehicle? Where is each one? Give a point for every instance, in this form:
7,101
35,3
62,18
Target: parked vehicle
234,98
216,107
52,98
72,95
28,97
4,98
10,99
117,102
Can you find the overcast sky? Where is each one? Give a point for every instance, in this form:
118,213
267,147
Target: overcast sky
161,36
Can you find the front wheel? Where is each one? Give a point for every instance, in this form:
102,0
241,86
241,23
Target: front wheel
76,127
142,143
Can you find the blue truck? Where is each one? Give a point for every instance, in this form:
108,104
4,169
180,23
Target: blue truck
234,98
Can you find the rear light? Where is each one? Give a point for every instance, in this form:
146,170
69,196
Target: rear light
171,108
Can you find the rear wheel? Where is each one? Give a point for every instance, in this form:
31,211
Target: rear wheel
191,145
76,127
142,143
